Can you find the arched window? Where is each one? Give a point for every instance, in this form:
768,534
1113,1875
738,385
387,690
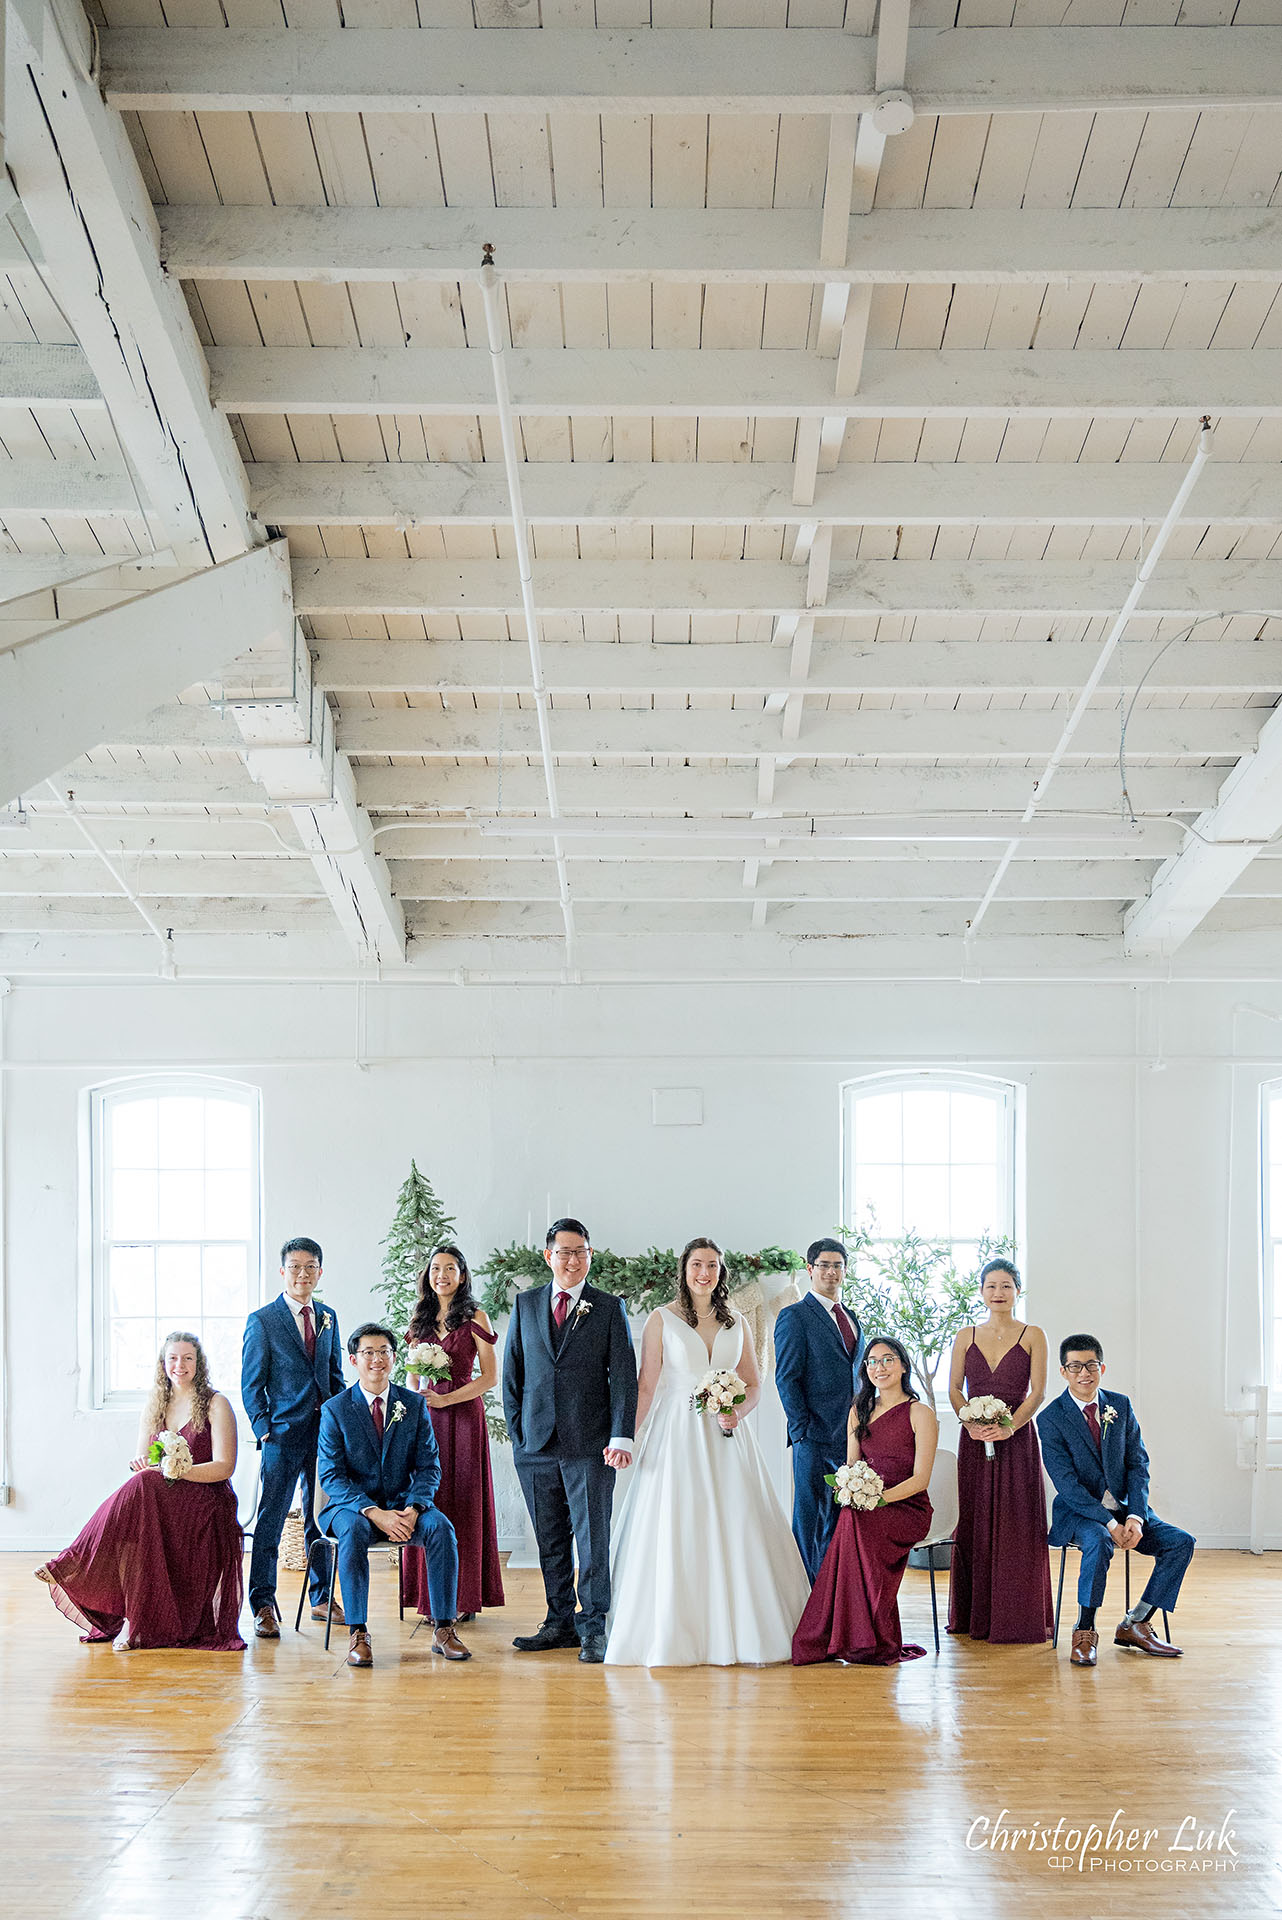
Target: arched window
176,1207
1271,1226
932,1154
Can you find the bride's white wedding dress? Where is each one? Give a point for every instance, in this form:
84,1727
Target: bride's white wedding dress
704,1568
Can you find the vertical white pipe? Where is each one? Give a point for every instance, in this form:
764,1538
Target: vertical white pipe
520,529
5,989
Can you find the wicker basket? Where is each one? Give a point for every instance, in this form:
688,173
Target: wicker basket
293,1545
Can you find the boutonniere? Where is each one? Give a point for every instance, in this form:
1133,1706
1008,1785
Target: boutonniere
327,1321
1108,1416
398,1412
584,1307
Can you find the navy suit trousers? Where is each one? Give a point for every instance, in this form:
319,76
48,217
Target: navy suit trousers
814,1515
1170,1548
356,1535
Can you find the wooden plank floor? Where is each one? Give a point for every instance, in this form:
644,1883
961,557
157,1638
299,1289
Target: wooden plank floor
280,1783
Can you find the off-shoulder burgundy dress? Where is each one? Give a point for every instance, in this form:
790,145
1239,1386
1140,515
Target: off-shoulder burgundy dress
163,1558
853,1610
1000,1588
466,1493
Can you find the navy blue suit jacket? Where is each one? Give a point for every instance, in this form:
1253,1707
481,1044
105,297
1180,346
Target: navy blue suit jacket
278,1383
356,1473
816,1377
585,1391
1081,1475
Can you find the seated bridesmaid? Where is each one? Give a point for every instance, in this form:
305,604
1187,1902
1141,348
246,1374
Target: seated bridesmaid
160,1563
852,1615
448,1314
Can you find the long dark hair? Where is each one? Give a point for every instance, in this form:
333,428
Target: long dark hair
720,1298
866,1398
462,1307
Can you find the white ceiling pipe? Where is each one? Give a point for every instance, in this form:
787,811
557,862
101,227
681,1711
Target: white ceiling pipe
153,925
1206,440
525,568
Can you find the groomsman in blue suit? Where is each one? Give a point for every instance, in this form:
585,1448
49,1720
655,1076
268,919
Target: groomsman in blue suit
379,1468
291,1364
1094,1454
818,1346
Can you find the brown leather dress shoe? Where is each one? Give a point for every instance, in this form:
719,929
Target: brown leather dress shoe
1085,1641
360,1653
266,1625
319,1613
446,1641
1142,1637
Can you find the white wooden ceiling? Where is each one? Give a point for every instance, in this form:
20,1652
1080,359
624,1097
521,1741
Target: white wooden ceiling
839,450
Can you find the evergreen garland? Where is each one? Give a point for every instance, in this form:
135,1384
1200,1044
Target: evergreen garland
419,1224
641,1280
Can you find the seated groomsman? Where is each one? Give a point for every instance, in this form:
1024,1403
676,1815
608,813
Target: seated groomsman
817,1349
292,1362
380,1469
1094,1454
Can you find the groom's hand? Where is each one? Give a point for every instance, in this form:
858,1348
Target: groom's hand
617,1457
397,1524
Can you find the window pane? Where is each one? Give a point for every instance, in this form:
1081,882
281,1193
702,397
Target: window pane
133,1206
926,1201
229,1134
226,1272
878,1192
132,1281
178,1287
227,1206
974,1201
966,1259
134,1346
878,1129
181,1214
182,1133
222,1341
974,1127
132,1130
925,1128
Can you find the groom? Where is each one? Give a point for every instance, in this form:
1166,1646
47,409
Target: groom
817,1350
570,1397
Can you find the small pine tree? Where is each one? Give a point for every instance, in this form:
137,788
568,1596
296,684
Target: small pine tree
419,1224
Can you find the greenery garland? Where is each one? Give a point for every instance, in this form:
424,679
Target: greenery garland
641,1280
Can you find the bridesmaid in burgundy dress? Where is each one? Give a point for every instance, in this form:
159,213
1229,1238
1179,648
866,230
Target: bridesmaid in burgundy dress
448,1314
852,1615
1001,1578
161,1562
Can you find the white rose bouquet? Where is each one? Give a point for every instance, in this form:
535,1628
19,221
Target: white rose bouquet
717,1392
858,1486
985,1410
170,1452
429,1361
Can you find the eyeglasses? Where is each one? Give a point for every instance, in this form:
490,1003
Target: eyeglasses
885,1360
568,1254
829,1266
294,1272
1081,1366
374,1353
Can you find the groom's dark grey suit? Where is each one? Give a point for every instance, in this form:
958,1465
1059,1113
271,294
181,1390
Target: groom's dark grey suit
567,1394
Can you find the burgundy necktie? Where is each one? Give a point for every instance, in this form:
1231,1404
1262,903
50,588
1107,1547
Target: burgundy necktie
844,1327
376,1408
1092,1421
560,1307
309,1330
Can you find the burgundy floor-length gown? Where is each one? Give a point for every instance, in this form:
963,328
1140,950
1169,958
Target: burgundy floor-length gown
853,1609
1001,1577
164,1557
466,1493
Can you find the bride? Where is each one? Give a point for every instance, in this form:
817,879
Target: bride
704,1568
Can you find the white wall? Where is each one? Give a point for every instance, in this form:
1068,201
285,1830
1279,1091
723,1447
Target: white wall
511,1097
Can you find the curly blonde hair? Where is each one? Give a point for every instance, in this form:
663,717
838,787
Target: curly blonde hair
202,1388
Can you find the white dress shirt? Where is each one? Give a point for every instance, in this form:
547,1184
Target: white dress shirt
1106,1498
296,1308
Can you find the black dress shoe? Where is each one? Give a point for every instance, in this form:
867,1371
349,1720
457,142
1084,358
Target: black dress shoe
592,1651
548,1636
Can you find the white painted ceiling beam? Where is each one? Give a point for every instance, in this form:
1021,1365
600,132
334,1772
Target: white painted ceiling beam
465,842
701,493
1247,813
653,383
36,376
772,587
633,925
49,833
284,914
664,244
63,489
62,690
894,733
458,668
221,786
433,788
681,70
159,879
84,197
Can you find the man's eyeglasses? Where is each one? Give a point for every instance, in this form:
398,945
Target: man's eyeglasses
829,1266
311,1267
1081,1366
567,1254
374,1353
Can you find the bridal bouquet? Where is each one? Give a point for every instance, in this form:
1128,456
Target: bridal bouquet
170,1452
429,1361
986,1410
717,1392
857,1486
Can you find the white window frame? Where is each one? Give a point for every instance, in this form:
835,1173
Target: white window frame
1009,1094
99,1100
1270,1232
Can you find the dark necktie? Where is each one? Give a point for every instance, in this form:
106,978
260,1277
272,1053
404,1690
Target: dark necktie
1092,1421
309,1330
844,1327
560,1307
376,1408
